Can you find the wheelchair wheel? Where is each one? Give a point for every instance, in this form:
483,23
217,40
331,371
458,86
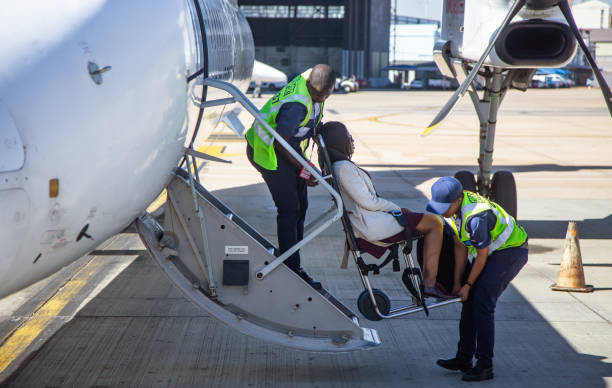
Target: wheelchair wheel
365,306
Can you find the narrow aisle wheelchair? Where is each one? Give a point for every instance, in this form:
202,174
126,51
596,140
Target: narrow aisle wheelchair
374,303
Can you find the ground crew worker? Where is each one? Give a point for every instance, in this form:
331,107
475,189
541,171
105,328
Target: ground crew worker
294,112
496,248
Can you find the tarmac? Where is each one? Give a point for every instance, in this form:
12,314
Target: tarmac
126,325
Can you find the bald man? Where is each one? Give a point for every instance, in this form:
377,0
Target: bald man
294,112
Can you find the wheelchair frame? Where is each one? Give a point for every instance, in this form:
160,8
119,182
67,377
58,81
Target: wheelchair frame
373,311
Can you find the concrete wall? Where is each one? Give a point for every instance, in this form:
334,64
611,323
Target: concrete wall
366,39
592,14
412,43
419,9
603,54
357,44
296,59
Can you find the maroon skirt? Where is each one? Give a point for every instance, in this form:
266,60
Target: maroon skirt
377,251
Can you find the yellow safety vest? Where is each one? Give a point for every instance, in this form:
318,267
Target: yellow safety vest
260,139
505,234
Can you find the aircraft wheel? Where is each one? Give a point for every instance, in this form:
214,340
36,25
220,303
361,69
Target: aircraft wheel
503,191
467,179
364,304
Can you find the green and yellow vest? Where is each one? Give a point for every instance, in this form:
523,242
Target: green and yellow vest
260,139
505,234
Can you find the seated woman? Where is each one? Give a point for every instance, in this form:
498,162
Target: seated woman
370,214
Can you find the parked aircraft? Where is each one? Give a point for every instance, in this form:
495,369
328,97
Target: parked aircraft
505,42
97,101
266,74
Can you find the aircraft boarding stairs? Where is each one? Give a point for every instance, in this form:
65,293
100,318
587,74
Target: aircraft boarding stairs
217,266
230,270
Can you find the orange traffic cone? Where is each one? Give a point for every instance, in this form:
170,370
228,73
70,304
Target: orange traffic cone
571,274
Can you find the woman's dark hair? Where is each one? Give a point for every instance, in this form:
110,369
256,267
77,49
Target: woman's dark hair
337,142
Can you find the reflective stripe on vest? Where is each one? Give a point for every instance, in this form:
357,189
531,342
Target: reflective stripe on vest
258,136
499,238
479,207
262,132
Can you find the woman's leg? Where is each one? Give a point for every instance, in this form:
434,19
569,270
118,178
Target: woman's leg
431,227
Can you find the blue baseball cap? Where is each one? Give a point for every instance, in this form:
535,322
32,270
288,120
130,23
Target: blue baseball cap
443,193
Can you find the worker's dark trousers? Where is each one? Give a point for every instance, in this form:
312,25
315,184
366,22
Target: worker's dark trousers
477,325
291,199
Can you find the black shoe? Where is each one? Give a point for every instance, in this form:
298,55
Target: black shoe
478,373
455,364
313,283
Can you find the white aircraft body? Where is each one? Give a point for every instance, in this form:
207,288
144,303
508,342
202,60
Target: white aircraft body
504,41
95,112
555,45
101,104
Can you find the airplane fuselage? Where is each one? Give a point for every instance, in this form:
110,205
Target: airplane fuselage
95,111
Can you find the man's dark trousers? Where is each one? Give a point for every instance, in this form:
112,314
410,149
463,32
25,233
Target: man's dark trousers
477,325
291,199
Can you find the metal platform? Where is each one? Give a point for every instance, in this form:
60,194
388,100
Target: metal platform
216,268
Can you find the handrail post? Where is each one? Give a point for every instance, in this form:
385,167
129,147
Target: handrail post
252,109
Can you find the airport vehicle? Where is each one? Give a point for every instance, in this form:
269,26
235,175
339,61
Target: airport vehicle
504,42
416,84
590,82
557,81
439,83
346,85
551,81
538,81
101,105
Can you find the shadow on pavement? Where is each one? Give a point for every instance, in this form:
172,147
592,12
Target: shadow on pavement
451,169
405,181
140,331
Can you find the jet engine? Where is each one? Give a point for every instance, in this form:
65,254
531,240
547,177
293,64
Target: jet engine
535,43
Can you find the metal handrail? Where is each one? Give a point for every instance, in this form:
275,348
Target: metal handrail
252,109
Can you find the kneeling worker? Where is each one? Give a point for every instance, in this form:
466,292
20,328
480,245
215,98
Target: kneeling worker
294,112
496,248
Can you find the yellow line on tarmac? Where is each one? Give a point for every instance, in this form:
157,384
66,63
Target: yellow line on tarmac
216,150
18,341
213,150
159,202
228,140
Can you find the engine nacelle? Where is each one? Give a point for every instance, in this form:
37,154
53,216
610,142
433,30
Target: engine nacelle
535,43
538,37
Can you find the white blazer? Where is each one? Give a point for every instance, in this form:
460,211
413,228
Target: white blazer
368,213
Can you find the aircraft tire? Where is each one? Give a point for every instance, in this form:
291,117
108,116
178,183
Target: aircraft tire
503,191
467,179
364,304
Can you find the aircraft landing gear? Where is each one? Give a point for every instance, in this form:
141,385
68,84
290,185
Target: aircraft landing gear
499,187
503,191
467,179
